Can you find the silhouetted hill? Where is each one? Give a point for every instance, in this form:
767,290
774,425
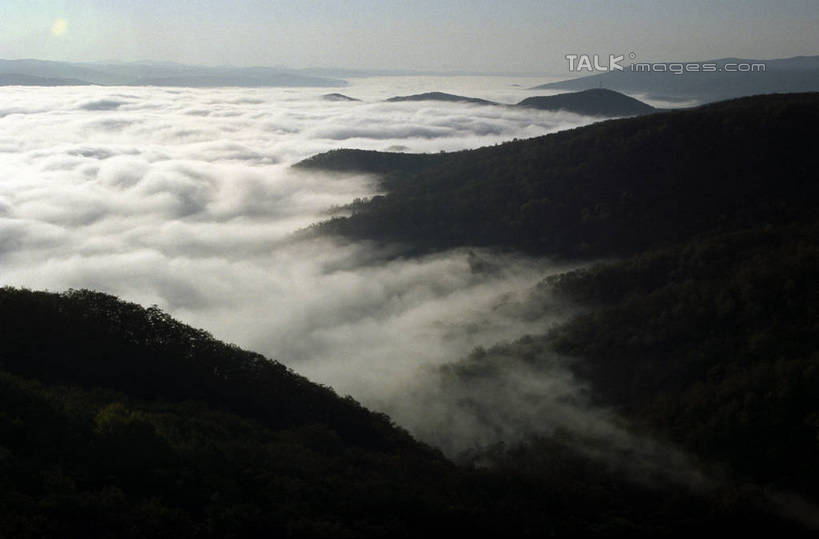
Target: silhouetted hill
788,75
440,96
594,102
338,97
14,79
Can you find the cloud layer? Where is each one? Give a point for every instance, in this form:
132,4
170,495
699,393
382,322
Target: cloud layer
120,188
184,198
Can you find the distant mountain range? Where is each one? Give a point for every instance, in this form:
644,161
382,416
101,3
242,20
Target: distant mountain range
594,102
17,79
343,73
46,73
789,75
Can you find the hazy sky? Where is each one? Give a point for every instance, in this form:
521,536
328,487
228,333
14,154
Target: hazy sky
509,35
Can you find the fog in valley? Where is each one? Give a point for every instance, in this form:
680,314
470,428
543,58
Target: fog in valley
185,198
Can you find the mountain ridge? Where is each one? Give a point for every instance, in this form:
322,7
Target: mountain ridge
431,198
593,102
783,75
162,74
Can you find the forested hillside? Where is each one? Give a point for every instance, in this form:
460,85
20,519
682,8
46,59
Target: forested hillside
702,328
616,187
117,421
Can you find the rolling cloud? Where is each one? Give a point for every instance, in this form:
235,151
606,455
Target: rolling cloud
184,198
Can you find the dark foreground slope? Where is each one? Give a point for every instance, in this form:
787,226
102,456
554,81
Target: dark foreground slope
92,340
611,188
117,421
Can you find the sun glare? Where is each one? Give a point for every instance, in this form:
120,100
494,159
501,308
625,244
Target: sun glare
59,27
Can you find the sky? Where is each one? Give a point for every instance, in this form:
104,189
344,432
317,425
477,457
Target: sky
510,36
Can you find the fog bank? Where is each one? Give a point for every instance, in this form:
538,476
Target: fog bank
185,199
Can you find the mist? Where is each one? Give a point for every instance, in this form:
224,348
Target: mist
185,199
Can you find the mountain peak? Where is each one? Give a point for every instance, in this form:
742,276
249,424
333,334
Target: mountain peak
593,102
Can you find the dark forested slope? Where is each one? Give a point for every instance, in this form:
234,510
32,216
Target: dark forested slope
93,340
703,331
611,188
714,344
117,421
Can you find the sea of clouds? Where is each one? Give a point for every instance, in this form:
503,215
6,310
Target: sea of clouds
184,198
